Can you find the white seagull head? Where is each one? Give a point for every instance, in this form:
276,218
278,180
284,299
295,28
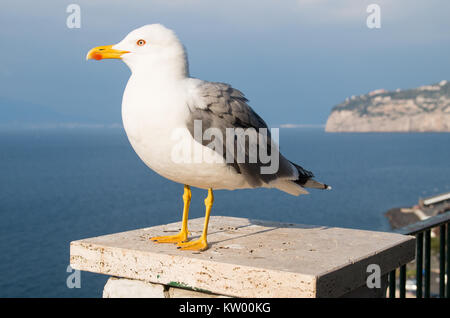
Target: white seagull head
149,49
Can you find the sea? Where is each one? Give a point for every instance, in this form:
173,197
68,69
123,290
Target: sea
60,185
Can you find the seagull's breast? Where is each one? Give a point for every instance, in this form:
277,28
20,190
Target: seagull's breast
155,123
150,117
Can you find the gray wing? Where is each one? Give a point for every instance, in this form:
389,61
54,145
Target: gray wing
221,106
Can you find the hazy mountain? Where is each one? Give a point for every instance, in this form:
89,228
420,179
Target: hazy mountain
15,113
426,108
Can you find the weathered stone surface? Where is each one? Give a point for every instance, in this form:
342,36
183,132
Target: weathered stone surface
185,293
130,288
248,258
365,292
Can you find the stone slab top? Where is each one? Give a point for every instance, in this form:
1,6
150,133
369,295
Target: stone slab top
248,258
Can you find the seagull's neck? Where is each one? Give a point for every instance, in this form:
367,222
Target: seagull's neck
160,69
152,82
159,75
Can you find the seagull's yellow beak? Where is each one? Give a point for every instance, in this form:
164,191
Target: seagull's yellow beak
104,52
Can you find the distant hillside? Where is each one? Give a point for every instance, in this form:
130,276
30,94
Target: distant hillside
24,114
426,108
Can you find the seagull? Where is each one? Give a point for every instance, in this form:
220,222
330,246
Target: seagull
188,130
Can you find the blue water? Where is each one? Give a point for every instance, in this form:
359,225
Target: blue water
62,185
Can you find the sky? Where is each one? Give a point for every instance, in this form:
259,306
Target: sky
293,59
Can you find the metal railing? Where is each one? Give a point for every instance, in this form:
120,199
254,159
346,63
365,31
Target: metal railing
422,231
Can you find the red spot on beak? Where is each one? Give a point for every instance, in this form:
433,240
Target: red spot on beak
97,56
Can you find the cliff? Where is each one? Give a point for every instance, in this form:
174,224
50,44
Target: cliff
426,108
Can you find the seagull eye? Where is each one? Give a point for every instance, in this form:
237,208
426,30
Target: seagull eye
140,42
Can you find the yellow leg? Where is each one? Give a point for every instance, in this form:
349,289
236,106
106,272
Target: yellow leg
183,234
200,244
